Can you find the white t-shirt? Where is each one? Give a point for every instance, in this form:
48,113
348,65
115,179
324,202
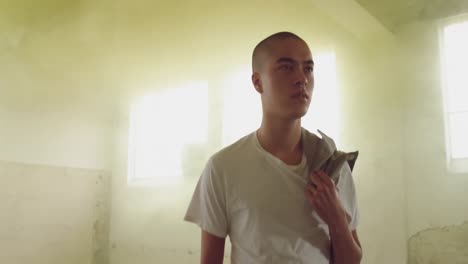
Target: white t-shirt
259,201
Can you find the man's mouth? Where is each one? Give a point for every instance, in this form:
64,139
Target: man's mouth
300,94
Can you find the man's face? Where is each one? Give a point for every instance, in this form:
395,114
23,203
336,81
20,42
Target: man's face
286,79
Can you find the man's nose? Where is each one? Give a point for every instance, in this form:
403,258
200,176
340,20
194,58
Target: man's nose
301,79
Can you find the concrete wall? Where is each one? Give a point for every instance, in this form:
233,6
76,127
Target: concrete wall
445,244
69,73
372,117
55,137
437,208
53,214
58,137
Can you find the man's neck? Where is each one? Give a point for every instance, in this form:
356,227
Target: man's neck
282,139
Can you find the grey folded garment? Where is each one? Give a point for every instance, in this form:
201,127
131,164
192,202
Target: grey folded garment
333,165
321,153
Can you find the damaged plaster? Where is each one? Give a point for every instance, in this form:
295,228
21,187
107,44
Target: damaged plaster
441,245
101,220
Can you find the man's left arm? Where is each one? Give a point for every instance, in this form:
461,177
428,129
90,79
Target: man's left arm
346,248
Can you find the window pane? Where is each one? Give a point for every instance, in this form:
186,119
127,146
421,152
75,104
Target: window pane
162,125
455,54
458,123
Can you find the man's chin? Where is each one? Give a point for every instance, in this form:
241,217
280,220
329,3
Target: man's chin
292,115
298,114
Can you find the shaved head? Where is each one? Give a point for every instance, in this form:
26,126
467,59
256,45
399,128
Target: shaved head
263,48
283,75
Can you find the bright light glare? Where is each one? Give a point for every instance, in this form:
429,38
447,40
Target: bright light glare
458,125
325,106
161,126
455,65
242,108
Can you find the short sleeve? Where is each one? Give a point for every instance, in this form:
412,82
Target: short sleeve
207,209
347,194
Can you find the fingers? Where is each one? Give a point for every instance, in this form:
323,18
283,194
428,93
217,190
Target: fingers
325,179
311,194
314,198
322,189
321,180
318,194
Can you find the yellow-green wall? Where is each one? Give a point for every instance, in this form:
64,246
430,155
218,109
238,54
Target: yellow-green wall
437,208
69,72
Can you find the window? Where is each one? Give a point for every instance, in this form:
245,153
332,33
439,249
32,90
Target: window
454,58
242,108
162,125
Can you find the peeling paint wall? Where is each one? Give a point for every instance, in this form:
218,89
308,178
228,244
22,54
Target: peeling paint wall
442,245
101,224
50,214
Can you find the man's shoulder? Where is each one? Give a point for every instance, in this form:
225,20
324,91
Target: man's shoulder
235,151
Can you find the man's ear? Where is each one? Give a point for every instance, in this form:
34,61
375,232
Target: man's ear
257,83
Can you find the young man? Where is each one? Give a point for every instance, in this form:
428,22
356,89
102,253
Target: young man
263,192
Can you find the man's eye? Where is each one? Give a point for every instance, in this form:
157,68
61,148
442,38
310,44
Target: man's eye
286,67
309,69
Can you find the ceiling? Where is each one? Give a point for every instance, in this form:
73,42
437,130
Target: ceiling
395,13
